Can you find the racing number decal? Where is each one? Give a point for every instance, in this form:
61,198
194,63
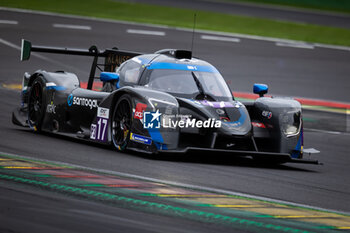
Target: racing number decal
99,130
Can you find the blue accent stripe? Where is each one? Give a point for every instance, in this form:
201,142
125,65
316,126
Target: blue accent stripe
243,116
298,146
156,135
188,67
57,88
157,139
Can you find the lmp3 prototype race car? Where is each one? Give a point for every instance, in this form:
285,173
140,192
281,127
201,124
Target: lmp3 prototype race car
166,102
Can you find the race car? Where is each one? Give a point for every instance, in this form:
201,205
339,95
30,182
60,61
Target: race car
165,102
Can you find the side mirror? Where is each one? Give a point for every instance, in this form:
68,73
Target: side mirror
260,89
110,77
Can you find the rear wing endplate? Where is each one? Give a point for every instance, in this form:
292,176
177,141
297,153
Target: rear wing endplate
113,57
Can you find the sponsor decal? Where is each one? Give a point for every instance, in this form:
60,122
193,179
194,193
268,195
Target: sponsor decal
74,100
140,108
140,139
259,125
98,131
103,112
192,67
51,108
70,100
154,120
267,114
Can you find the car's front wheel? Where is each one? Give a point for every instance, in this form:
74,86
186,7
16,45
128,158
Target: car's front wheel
121,122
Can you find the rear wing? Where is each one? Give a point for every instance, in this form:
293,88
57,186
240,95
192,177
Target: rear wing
113,57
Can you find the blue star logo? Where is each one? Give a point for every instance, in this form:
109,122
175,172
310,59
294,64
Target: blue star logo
151,120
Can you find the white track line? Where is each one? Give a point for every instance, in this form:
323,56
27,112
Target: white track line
14,46
327,46
70,26
261,38
8,22
289,8
220,38
11,45
347,133
182,185
295,45
145,32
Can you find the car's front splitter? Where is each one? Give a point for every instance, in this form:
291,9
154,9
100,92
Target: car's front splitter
279,157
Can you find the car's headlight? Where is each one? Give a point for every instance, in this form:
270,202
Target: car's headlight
290,130
157,103
291,123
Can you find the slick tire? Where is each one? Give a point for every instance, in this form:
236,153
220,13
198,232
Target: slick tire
121,122
36,104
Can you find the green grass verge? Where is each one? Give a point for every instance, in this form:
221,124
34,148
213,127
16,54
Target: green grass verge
342,6
184,18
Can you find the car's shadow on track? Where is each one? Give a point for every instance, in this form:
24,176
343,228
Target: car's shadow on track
223,160
195,157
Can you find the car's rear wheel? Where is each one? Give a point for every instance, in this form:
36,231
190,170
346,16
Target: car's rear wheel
121,123
36,104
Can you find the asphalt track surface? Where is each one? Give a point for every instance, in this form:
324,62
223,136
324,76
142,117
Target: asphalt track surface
259,10
30,210
314,73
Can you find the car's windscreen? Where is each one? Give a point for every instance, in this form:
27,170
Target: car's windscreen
182,82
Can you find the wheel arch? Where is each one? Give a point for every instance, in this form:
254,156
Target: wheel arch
60,78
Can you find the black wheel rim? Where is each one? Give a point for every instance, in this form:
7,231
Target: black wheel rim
121,123
35,104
